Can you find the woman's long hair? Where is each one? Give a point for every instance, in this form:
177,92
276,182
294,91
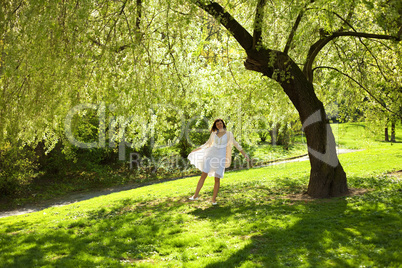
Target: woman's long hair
214,128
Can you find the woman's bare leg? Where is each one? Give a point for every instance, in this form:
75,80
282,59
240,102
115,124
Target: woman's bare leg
200,184
216,189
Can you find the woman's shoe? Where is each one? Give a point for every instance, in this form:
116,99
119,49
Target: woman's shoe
214,203
192,198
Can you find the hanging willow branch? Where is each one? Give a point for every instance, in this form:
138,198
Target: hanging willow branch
320,44
242,36
360,85
259,16
294,29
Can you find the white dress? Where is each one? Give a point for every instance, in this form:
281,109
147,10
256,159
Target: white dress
211,160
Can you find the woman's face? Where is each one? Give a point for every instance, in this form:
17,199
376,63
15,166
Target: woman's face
219,125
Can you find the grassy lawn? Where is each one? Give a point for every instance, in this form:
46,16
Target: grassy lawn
256,223
48,187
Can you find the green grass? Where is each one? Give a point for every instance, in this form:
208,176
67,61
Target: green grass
256,223
357,135
268,153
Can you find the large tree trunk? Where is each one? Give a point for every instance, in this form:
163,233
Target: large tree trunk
327,177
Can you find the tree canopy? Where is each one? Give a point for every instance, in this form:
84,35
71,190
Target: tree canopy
155,65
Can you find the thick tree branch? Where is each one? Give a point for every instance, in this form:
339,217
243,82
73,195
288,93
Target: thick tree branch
320,44
259,16
366,35
137,30
18,7
139,14
382,103
242,36
292,32
294,29
122,8
96,42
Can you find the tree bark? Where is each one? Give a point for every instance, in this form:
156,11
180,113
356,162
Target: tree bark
386,134
327,177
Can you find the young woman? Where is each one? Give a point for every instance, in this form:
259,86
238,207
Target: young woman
214,156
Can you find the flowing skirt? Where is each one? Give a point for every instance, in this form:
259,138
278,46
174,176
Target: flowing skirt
210,160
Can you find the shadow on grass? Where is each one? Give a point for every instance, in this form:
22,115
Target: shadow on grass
281,246
103,237
279,232
326,234
388,142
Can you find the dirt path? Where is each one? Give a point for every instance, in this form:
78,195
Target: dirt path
73,198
